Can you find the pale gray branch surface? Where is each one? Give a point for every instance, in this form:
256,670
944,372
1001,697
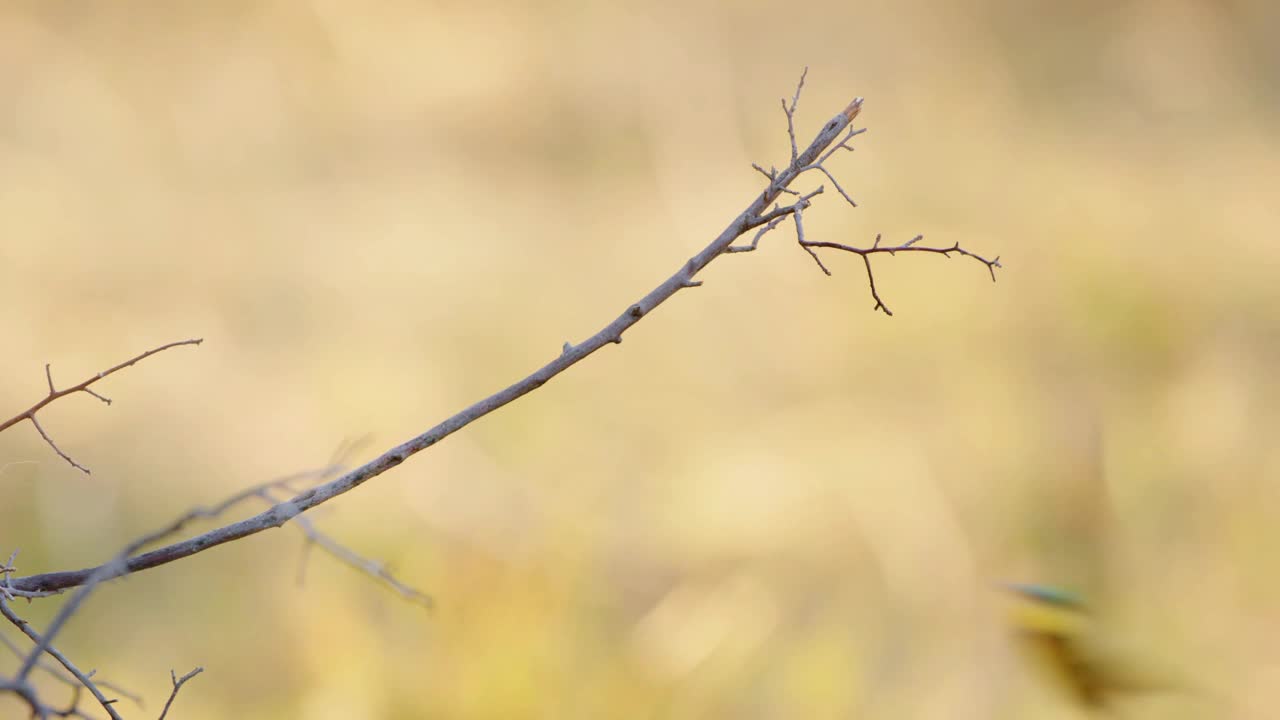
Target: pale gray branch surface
755,215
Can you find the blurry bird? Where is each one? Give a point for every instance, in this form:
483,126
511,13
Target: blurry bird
1062,635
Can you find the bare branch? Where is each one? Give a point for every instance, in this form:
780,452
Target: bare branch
118,566
767,175
261,491
43,646
373,568
755,241
753,216
106,400
797,216
54,394
55,447
908,246
178,682
842,145
871,282
62,677
132,558
835,182
28,695
569,356
791,113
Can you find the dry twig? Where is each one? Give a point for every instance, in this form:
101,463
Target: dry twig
753,217
262,491
757,216
44,645
908,246
54,394
178,682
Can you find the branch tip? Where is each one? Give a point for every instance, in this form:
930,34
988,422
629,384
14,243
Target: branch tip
852,109
54,394
908,246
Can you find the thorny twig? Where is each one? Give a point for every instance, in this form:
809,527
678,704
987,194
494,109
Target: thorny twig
178,682
796,210
908,246
54,394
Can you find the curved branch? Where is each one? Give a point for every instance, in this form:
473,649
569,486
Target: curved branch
43,646
54,394
752,217
178,682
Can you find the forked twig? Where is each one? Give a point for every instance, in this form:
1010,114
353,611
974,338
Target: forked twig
43,643
908,246
54,394
178,682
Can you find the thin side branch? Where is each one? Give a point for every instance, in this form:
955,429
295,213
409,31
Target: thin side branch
28,695
178,682
791,114
62,677
118,566
54,394
261,491
799,219
56,449
347,556
43,645
908,246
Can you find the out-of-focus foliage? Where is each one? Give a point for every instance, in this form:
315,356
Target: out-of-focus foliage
769,502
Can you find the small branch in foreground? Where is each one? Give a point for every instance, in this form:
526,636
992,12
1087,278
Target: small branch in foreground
62,677
345,555
178,682
54,394
43,643
908,246
113,568
29,696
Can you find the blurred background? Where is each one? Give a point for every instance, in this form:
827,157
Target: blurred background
770,501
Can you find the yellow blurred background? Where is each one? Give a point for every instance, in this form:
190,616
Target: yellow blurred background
770,501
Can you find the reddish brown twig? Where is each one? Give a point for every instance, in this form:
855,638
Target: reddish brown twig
908,246
54,394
